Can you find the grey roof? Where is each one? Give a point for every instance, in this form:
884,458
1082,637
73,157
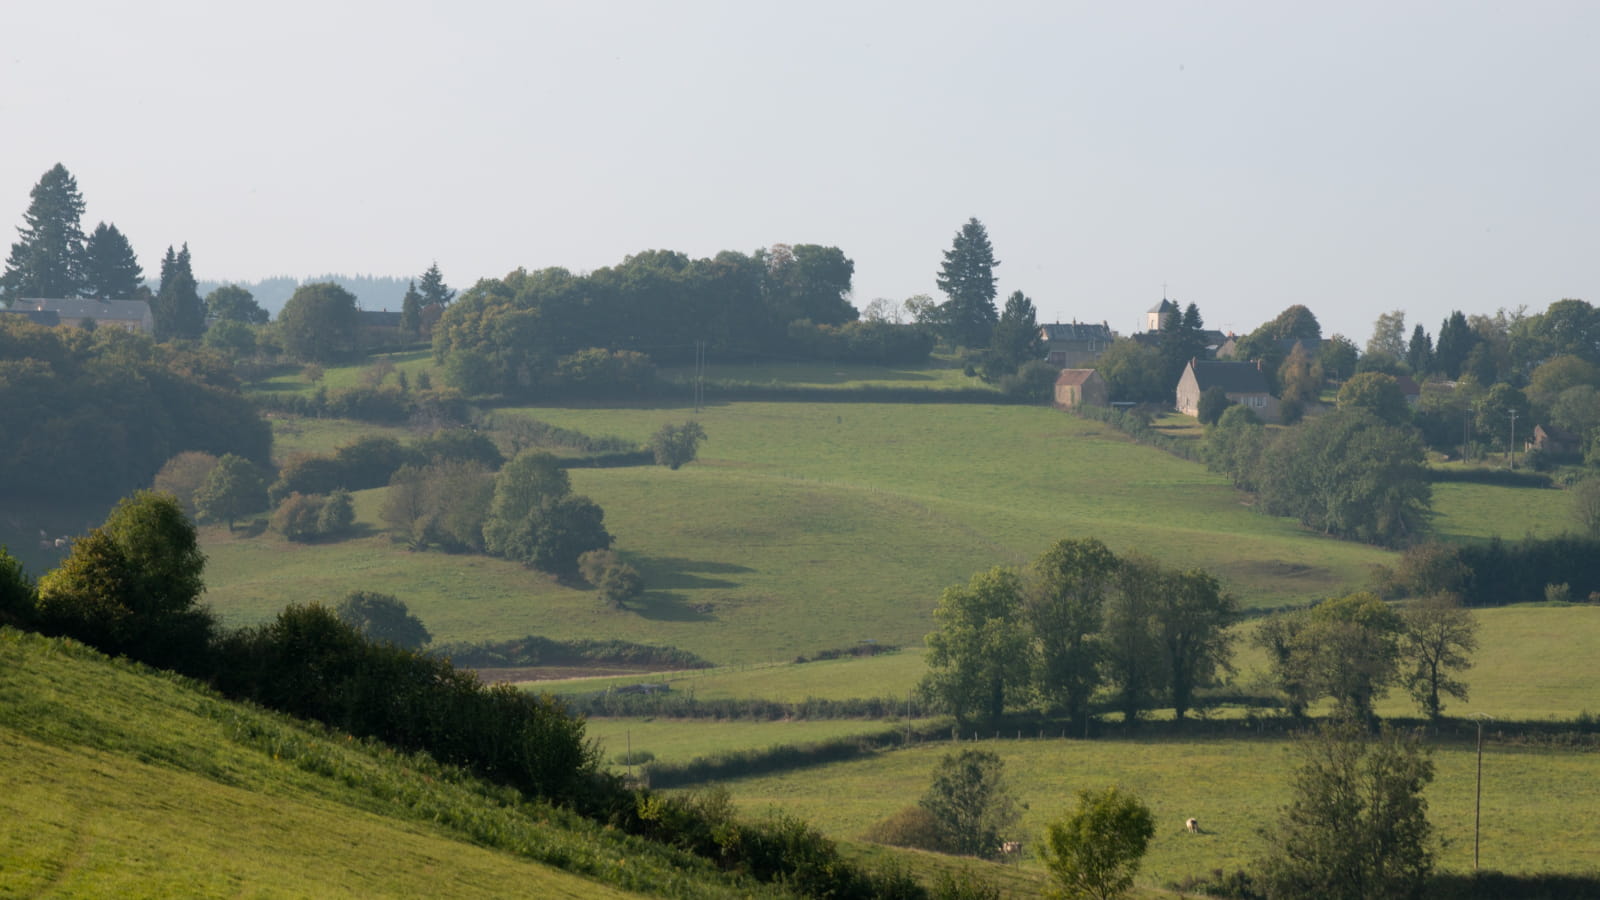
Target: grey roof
1075,331
87,308
1165,306
376,318
45,317
1232,377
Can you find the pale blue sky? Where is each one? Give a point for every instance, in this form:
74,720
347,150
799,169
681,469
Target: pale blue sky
1354,157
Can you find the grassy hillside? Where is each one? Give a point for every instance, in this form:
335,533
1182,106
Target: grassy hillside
119,781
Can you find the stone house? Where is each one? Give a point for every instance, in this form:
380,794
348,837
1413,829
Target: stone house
1074,345
1243,382
1081,387
129,315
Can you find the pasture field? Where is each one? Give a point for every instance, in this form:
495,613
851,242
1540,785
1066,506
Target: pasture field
886,675
293,381
119,781
1536,804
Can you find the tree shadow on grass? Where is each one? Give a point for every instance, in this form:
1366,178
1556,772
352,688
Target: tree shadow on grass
674,573
665,606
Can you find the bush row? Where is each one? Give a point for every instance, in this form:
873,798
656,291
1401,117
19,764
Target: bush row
1500,477
534,650
1498,572
682,706
384,404
1141,431
778,758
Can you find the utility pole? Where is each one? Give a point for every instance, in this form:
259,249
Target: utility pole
1477,805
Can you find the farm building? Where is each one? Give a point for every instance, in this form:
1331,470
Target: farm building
1074,344
129,315
1081,387
1243,382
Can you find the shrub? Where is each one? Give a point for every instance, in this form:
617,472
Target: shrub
296,517
338,513
17,592
383,619
675,445
183,474
617,581
913,826
1095,851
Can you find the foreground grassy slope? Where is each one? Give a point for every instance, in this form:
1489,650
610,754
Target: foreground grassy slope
118,781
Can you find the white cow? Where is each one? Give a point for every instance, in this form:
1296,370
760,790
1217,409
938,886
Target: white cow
1192,826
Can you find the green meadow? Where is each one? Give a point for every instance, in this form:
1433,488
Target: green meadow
806,526
1537,804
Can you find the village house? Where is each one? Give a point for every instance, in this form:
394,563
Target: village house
1075,345
1081,387
129,315
1244,383
1558,443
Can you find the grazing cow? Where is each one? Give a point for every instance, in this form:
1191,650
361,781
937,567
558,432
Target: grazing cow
1192,826
1011,848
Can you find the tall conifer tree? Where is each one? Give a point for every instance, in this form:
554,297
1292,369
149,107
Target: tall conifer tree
48,260
178,310
411,311
111,271
433,288
967,278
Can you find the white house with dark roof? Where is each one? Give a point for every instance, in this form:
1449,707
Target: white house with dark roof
1243,382
129,315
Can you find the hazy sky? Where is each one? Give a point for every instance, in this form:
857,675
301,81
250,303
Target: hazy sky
1354,157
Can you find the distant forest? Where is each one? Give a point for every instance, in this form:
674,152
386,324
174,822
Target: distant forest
372,291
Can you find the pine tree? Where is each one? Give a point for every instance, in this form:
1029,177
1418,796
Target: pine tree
967,278
48,260
1419,353
111,271
433,288
1016,337
178,310
411,311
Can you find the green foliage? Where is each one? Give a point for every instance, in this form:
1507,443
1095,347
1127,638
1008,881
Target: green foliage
1133,373
338,513
232,303
382,619
1357,826
535,519
233,488
18,595
1213,403
1378,394
1183,339
411,311
1348,649
132,585
967,278
1436,638
674,445
1299,377
1131,654
1586,507
617,581
433,288
443,504
183,475
1338,357
971,803
47,259
318,323
110,269
1347,473
1095,852
177,308
596,371
913,826
308,517
93,416
1016,338
1235,444
1066,611
1033,382
978,657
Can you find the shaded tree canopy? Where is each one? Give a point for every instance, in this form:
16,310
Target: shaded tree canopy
47,259
1378,394
1094,853
232,303
93,416
967,278
1016,338
110,269
318,323
382,618
978,656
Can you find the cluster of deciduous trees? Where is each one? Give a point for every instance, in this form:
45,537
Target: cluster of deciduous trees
511,334
1078,620
1346,473
1353,649
93,415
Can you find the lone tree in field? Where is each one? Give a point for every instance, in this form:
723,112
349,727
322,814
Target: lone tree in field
1095,852
1436,636
383,619
967,278
1357,828
234,488
675,445
971,802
